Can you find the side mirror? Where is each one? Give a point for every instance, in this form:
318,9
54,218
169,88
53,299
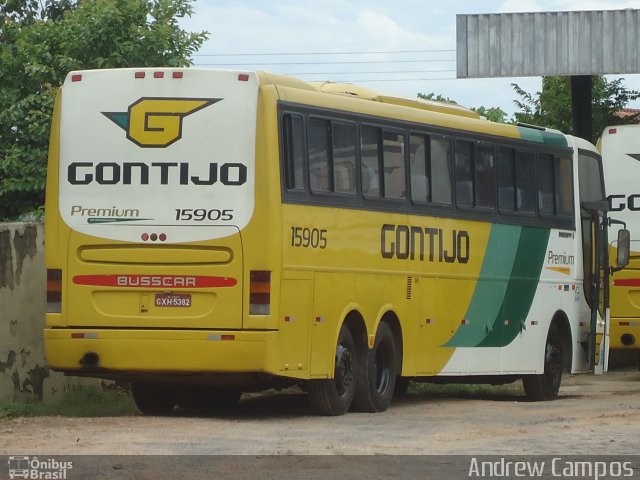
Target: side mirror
624,247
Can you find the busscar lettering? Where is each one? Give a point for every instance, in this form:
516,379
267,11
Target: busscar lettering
406,242
135,173
155,281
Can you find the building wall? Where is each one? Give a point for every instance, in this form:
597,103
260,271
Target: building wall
24,373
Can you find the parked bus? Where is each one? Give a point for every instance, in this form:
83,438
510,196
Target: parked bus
214,232
620,149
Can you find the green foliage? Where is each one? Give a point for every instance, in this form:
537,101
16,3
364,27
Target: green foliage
40,44
436,98
82,401
552,106
494,114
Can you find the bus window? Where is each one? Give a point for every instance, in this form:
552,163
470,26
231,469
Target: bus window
319,160
441,171
393,162
418,168
370,161
564,187
344,157
546,184
464,174
485,177
506,179
293,145
525,182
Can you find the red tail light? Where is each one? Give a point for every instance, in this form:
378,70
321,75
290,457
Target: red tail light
259,292
54,291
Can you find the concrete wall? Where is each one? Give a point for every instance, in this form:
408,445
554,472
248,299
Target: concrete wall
24,373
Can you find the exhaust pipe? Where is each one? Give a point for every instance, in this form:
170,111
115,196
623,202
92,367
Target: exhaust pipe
90,360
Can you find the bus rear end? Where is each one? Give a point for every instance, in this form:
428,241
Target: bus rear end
151,182
620,148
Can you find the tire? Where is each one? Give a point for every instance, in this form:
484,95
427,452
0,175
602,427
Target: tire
153,399
333,396
547,385
377,374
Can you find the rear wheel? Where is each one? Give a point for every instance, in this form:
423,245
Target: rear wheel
333,396
377,374
153,399
547,385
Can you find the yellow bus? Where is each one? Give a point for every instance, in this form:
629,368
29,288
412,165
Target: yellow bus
215,232
620,149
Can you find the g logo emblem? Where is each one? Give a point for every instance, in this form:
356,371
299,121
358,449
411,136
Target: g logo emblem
157,122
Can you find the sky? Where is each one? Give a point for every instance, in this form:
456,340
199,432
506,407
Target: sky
401,47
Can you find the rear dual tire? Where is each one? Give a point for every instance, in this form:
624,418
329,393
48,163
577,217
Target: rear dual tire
363,378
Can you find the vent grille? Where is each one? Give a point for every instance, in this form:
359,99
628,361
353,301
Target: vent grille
409,287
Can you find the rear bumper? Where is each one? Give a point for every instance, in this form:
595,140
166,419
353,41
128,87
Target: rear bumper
119,353
624,333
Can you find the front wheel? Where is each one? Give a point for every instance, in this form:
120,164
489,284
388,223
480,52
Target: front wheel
377,375
547,385
333,396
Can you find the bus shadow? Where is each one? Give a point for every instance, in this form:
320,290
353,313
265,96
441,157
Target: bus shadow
294,403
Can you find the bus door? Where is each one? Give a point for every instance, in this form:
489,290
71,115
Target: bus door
596,282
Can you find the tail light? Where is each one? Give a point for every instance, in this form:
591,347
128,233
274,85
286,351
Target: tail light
259,292
54,291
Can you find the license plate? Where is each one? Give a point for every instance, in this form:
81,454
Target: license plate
173,300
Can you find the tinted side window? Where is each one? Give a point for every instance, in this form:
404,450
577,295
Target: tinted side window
441,170
344,157
485,176
370,154
320,177
506,178
546,184
419,168
464,173
564,187
293,145
525,182
393,165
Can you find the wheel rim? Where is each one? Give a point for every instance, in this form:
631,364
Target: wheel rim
382,368
344,370
553,365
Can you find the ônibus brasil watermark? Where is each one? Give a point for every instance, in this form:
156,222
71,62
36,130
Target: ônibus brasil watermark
38,468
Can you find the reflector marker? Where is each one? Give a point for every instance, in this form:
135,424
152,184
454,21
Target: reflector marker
464,322
177,74
507,322
81,335
218,337
158,74
76,78
319,319
243,77
534,322
139,75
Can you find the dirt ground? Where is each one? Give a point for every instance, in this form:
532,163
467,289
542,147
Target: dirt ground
594,414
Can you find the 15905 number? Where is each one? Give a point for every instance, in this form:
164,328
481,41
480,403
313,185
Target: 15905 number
308,237
201,214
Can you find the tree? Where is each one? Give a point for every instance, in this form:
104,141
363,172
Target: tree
495,114
552,106
41,43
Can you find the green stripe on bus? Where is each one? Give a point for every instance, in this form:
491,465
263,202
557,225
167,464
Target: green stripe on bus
523,283
542,136
491,287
